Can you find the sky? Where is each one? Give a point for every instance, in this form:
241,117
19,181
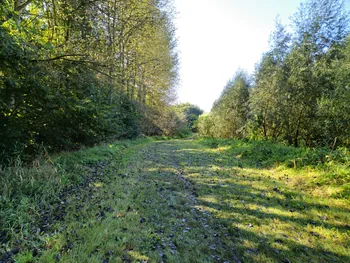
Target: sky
217,37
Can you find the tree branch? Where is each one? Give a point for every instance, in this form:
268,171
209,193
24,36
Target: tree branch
20,7
86,61
105,74
59,57
64,57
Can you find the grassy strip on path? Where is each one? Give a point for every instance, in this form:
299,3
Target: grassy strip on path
197,201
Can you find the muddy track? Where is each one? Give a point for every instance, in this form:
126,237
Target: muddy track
171,162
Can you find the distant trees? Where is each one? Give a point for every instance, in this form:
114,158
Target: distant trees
205,125
300,91
189,113
75,72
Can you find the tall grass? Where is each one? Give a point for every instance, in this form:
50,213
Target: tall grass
332,165
28,187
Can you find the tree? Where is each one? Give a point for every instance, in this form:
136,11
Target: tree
333,118
270,80
230,111
190,113
205,125
295,77
319,26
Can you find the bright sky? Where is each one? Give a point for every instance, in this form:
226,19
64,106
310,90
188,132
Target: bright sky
216,37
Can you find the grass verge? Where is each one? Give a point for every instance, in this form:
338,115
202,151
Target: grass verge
36,199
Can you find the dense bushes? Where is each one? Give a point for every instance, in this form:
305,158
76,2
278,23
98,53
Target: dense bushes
230,111
58,107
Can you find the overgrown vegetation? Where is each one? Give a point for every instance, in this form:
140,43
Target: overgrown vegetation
76,73
331,167
36,199
279,203
299,92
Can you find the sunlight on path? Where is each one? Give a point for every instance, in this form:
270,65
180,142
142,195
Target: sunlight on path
190,201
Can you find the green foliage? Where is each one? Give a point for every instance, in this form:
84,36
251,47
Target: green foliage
230,111
26,190
205,125
171,125
165,122
189,113
76,73
333,107
300,91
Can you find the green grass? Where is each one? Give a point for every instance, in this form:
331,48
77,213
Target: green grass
198,200
277,213
31,192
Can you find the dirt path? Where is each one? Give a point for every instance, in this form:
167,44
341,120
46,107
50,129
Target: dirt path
185,232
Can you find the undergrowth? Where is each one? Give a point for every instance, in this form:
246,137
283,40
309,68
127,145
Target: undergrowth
27,189
333,166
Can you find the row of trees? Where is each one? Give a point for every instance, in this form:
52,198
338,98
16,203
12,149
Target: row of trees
76,72
300,90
